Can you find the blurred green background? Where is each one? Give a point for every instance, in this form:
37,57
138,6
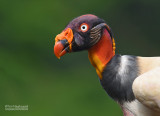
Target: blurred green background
31,75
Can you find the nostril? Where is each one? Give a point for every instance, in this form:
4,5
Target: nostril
66,34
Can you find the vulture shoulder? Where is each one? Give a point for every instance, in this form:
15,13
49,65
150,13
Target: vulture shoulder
146,87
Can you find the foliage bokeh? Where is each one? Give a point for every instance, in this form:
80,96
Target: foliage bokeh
30,73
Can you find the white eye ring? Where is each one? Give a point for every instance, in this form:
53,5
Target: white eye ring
84,27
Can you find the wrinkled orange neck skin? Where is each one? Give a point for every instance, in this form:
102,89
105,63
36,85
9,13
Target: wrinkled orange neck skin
102,52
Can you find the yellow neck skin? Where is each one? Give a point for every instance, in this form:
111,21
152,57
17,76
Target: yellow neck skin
102,52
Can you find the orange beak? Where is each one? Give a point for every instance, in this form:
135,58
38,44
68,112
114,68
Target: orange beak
63,43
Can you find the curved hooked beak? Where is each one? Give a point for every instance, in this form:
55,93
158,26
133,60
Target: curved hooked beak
63,43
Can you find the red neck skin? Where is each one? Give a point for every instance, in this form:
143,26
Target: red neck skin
101,53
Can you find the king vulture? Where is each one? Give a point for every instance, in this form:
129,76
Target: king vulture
132,81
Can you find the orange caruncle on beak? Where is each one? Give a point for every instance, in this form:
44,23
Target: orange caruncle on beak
63,43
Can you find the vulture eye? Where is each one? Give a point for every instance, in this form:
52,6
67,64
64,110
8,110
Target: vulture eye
84,27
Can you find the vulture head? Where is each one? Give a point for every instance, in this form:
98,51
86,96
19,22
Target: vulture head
82,33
